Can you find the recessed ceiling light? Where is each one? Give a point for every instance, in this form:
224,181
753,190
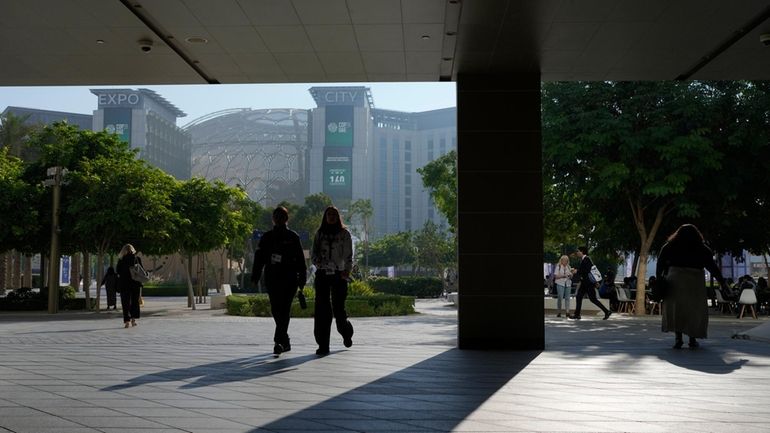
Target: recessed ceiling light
100,41
451,33
425,37
196,40
446,58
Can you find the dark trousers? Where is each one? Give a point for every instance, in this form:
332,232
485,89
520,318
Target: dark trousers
129,302
335,288
591,292
280,307
111,297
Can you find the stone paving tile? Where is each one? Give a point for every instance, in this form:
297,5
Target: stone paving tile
202,372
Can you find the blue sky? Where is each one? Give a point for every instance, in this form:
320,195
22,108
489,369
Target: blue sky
198,100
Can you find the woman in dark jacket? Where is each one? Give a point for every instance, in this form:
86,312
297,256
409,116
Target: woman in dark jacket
110,283
681,262
130,290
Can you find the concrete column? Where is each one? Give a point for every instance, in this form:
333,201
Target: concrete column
500,212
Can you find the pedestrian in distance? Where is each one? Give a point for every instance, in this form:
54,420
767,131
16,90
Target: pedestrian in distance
681,262
332,254
110,283
280,254
587,287
130,289
563,281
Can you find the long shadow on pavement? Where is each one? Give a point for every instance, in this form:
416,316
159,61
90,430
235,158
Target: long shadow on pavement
438,393
219,372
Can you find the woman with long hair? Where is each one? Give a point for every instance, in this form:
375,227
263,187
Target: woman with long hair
130,290
562,275
680,264
332,255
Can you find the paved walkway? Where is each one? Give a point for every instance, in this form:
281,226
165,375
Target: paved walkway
202,371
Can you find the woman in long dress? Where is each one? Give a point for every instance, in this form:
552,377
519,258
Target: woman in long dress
680,263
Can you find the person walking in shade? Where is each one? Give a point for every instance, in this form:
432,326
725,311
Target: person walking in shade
680,264
130,289
280,254
587,287
332,254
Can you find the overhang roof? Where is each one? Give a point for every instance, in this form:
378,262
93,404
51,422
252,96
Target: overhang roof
54,42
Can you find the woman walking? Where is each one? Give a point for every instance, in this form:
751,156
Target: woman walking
110,283
130,290
680,264
332,255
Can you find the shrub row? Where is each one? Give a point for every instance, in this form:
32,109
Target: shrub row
356,306
420,287
26,299
164,289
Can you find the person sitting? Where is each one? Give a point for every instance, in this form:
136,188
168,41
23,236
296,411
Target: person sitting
731,291
607,290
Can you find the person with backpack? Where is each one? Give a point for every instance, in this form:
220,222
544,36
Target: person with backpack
588,284
280,254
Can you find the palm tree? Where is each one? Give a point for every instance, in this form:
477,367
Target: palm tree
14,132
363,209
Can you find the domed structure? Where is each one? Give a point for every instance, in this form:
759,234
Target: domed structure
263,151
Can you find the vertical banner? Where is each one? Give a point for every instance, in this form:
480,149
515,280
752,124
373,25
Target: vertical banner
338,171
339,125
118,121
64,271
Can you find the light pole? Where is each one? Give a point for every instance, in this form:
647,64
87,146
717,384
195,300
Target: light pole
55,180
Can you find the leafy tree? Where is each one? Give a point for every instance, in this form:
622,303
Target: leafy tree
14,131
440,177
17,198
392,250
433,249
640,146
206,220
120,199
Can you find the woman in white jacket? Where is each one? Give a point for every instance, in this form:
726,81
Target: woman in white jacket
562,275
332,255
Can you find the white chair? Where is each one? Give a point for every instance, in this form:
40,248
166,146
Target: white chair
748,297
627,305
722,304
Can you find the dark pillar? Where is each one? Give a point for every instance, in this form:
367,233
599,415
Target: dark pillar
500,212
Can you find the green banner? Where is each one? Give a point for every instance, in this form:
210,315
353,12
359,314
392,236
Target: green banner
339,125
338,172
118,121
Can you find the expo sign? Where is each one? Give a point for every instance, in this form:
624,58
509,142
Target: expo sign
118,99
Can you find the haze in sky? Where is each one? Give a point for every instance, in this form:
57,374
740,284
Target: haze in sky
199,100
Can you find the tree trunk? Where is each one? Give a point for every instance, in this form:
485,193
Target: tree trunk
188,268
87,279
75,272
6,280
99,278
16,269
646,236
27,271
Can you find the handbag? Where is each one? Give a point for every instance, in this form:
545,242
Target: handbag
595,276
138,273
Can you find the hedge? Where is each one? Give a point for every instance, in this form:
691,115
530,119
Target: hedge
420,287
356,306
164,289
26,299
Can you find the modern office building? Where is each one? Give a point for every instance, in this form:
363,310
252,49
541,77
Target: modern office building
358,151
34,116
146,121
